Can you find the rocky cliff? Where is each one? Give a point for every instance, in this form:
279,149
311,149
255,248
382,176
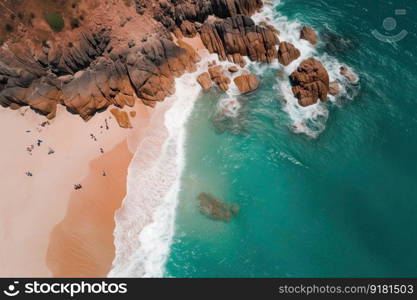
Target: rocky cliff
116,52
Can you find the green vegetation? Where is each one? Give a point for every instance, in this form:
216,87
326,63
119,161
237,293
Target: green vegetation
55,21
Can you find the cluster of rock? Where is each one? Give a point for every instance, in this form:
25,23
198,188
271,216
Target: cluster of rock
122,118
218,76
105,62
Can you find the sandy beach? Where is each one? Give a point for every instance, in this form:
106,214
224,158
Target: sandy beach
47,227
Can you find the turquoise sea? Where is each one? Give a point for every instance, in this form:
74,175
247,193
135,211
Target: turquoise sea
341,204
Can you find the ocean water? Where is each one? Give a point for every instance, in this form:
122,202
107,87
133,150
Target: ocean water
325,191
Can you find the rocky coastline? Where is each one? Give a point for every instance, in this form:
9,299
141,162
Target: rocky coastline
110,59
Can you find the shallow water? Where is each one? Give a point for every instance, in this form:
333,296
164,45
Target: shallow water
337,198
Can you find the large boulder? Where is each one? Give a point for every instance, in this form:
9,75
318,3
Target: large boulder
205,81
121,117
246,83
310,82
218,75
217,209
348,74
233,69
287,53
309,34
101,60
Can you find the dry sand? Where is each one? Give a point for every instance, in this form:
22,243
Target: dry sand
44,211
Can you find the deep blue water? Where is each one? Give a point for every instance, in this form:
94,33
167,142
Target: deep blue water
344,204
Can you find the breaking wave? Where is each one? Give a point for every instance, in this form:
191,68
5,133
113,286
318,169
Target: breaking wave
145,222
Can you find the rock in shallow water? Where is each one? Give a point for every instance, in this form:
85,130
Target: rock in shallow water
310,82
308,33
103,61
217,209
217,74
122,118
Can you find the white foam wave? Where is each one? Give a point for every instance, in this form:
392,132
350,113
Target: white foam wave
310,120
145,222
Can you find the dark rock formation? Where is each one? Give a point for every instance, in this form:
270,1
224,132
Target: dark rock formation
218,75
310,82
309,34
216,209
287,53
336,44
246,83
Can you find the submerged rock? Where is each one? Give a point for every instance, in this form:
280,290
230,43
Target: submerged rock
310,82
334,88
239,36
217,209
348,74
233,69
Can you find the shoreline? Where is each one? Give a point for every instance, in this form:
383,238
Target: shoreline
145,221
